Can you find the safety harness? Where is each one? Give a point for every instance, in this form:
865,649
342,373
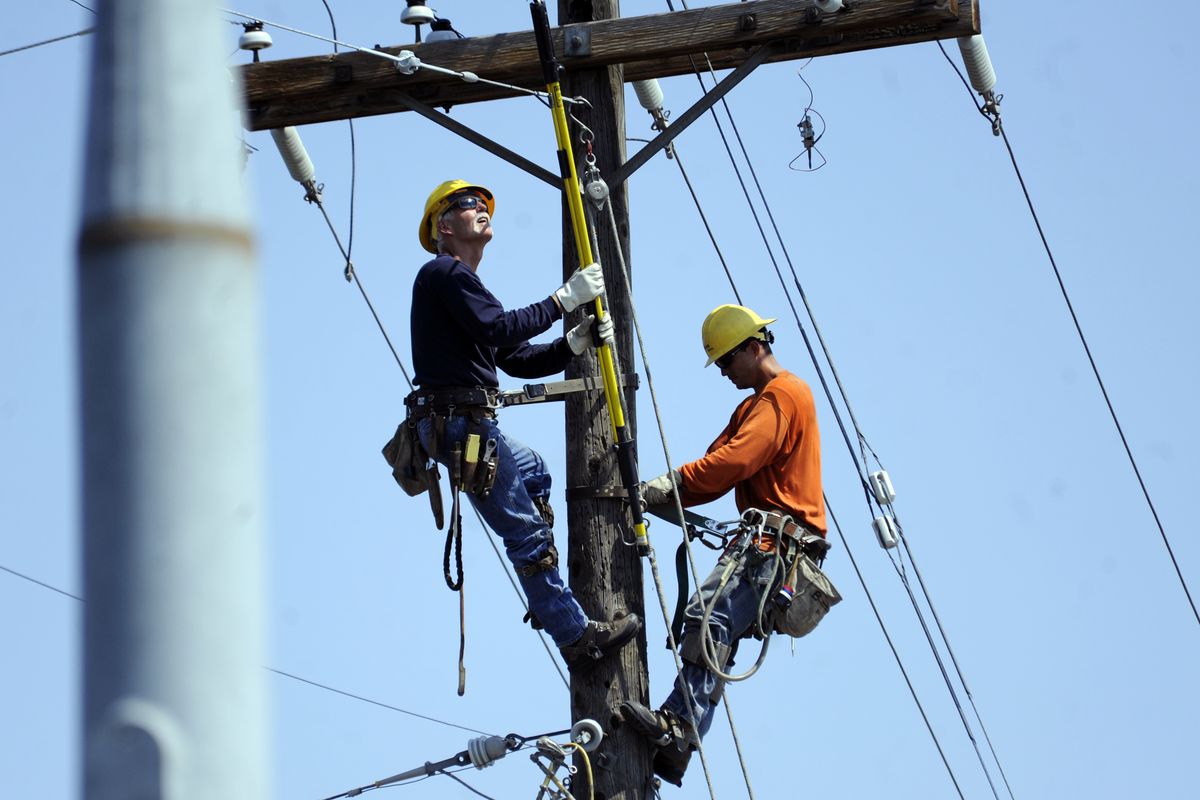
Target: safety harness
800,592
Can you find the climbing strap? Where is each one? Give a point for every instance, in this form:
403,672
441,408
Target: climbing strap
626,453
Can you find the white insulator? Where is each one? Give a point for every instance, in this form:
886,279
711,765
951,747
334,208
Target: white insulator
885,531
299,165
417,13
881,487
407,62
828,6
588,734
649,94
255,40
979,64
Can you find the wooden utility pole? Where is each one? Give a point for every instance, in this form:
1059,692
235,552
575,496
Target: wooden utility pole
599,52
605,573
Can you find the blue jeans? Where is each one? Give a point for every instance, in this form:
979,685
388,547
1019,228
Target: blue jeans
732,617
509,510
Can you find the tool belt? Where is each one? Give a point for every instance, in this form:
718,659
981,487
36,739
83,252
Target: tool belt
803,594
770,527
448,401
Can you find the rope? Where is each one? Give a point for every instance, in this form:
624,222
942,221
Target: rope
593,174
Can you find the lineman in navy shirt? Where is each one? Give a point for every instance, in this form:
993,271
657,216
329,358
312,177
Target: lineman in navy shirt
460,335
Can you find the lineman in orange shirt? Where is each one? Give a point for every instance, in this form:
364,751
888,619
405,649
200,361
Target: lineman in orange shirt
770,455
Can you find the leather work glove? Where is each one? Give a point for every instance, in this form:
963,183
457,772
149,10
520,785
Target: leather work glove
657,492
586,284
581,337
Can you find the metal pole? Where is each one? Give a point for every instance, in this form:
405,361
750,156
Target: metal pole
169,380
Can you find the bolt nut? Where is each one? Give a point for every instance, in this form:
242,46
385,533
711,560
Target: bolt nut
747,23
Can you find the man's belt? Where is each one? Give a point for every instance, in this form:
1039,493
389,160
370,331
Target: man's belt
449,399
777,524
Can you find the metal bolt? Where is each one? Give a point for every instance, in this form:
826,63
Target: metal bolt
747,22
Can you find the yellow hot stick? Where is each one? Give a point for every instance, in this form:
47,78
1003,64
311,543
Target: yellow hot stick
616,412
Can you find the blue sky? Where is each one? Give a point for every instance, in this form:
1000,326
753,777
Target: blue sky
946,325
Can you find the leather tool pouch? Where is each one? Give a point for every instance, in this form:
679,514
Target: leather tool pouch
814,596
479,460
413,469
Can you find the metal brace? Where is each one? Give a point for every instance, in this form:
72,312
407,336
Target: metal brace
559,390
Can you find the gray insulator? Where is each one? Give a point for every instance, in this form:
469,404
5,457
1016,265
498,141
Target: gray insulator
486,750
828,6
649,94
299,165
979,64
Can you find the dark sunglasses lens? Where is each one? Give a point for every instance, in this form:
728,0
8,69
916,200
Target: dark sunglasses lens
468,201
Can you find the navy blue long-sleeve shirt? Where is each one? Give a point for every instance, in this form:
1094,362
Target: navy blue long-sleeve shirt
461,332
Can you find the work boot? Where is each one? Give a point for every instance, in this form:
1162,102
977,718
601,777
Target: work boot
673,736
599,638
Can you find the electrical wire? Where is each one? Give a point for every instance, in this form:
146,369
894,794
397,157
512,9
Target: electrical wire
470,77
280,672
81,5
83,32
861,468
999,127
23,576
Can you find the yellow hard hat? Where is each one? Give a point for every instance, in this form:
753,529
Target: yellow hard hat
727,326
439,201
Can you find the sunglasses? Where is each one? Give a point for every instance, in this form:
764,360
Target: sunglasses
724,361
468,201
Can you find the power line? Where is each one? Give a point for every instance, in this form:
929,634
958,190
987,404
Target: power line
81,5
999,127
83,32
820,373
294,677
40,583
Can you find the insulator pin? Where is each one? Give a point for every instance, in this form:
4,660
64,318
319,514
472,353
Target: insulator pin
881,487
978,63
299,165
649,94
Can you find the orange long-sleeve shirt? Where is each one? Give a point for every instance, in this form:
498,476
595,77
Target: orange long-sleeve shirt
769,454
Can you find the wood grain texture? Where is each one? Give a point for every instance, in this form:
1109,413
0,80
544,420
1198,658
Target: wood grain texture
333,87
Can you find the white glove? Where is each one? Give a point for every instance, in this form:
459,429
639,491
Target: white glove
605,331
658,492
580,337
586,284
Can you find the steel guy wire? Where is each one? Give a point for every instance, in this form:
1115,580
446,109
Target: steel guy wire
83,32
469,77
999,127
277,671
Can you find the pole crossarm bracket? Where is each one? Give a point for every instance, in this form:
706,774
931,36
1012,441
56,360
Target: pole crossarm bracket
346,85
560,390
475,137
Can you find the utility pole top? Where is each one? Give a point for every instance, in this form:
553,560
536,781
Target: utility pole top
302,91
